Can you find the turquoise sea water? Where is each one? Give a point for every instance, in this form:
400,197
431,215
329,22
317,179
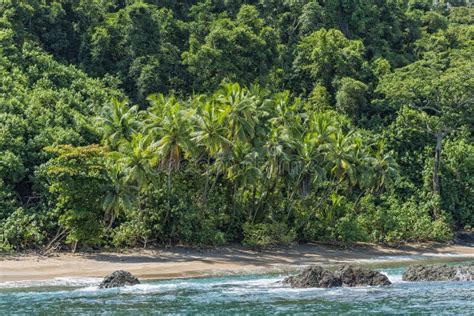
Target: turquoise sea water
226,295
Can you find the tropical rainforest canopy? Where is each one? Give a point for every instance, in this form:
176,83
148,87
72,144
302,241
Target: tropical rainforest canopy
130,123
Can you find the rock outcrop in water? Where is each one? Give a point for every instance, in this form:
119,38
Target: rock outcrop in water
348,276
314,276
118,279
418,273
356,276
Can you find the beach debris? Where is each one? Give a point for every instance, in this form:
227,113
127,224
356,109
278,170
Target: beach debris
346,275
418,273
118,278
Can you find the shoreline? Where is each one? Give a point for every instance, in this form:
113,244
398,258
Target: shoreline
182,262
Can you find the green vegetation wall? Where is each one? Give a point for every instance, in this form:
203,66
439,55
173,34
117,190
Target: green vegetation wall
128,123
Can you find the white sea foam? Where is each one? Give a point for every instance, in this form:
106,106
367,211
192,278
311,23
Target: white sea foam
88,289
223,285
420,257
149,288
64,281
448,255
394,278
392,259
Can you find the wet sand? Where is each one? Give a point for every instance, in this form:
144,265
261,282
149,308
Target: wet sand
182,262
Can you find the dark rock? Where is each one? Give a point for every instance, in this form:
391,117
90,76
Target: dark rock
314,276
418,273
118,279
464,238
357,276
349,276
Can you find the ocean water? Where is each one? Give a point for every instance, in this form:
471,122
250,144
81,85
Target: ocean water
261,294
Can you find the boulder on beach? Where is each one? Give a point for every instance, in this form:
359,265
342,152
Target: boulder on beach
419,273
118,279
348,276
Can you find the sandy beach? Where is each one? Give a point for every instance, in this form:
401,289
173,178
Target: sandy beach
182,262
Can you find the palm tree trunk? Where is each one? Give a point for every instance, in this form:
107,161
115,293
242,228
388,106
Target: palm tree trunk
357,202
208,175
266,195
297,186
215,181
252,204
437,160
320,202
169,182
234,206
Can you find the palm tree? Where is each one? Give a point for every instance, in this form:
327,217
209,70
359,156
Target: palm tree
284,115
209,128
120,193
241,170
169,124
209,134
117,123
137,157
384,167
239,111
339,156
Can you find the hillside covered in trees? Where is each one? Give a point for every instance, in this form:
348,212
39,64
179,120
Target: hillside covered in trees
129,123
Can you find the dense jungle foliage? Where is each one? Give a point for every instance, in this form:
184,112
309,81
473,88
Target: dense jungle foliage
129,123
